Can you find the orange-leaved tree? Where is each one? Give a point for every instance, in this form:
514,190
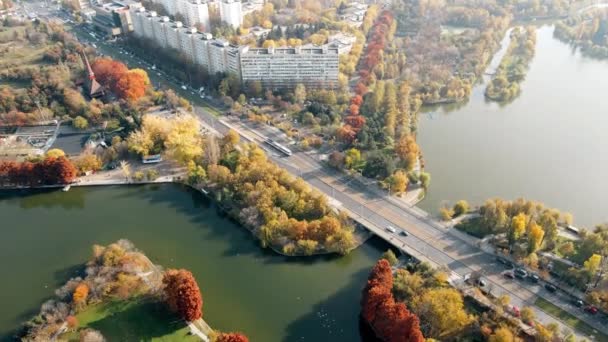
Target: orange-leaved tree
232,337
81,292
391,321
183,294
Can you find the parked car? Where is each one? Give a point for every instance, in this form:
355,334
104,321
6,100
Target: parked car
550,288
591,309
520,273
533,277
579,303
482,283
509,275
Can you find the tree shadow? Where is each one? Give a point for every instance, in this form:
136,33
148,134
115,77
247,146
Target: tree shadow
329,321
142,321
45,198
67,273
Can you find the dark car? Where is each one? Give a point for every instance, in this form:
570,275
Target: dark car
404,233
579,303
520,273
550,288
533,278
482,283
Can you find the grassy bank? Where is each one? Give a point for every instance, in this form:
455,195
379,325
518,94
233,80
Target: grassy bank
139,319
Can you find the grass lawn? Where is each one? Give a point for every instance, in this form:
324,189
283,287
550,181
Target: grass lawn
569,319
133,320
473,227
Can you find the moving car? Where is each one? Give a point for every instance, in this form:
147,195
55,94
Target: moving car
404,233
591,309
391,229
550,288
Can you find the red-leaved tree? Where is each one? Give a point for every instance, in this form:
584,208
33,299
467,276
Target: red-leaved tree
183,294
232,337
391,321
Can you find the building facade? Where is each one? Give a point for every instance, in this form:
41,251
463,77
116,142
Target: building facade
193,12
314,67
231,12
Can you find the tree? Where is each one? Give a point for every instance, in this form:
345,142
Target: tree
518,227
535,238
390,256
131,85
108,71
441,312
125,167
398,182
566,249
592,265
90,335
503,334
55,153
446,213
183,294
232,337
461,207
425,180
81,292
80,123
184,141
299,93
527,314
87,162
352,158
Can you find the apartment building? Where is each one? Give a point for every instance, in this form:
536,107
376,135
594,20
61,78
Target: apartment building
315,67
193,12
231,12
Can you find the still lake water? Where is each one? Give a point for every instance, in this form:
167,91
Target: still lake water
46,236
550,144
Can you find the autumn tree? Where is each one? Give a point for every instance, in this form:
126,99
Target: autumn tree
397,182
108,71
535,237
183,294
461,207
81,292
408,151
441,312
518,227
232,337
131,85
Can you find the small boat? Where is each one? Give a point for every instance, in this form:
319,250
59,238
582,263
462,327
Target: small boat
66,188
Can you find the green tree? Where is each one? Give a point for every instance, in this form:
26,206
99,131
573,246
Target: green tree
461,207
352,158
80,122
390,256
425,180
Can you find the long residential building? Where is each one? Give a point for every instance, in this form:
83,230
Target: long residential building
313,66
193,12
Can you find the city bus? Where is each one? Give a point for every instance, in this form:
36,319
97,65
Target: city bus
278,147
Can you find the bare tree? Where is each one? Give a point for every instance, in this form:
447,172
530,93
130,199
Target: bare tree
125,167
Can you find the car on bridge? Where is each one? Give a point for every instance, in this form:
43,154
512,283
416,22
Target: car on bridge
391,229
404,233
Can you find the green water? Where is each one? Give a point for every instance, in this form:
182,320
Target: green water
47,236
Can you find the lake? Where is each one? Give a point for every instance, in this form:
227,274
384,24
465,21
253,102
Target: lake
47,236
549,144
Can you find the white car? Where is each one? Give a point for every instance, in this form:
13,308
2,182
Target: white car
391,229
184,87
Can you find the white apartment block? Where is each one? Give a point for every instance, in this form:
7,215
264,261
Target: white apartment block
315,67
231,12
194,11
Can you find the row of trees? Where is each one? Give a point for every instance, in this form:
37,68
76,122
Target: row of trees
589,32
391,321
514,65
45,171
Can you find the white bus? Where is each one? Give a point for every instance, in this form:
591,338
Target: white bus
279,147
